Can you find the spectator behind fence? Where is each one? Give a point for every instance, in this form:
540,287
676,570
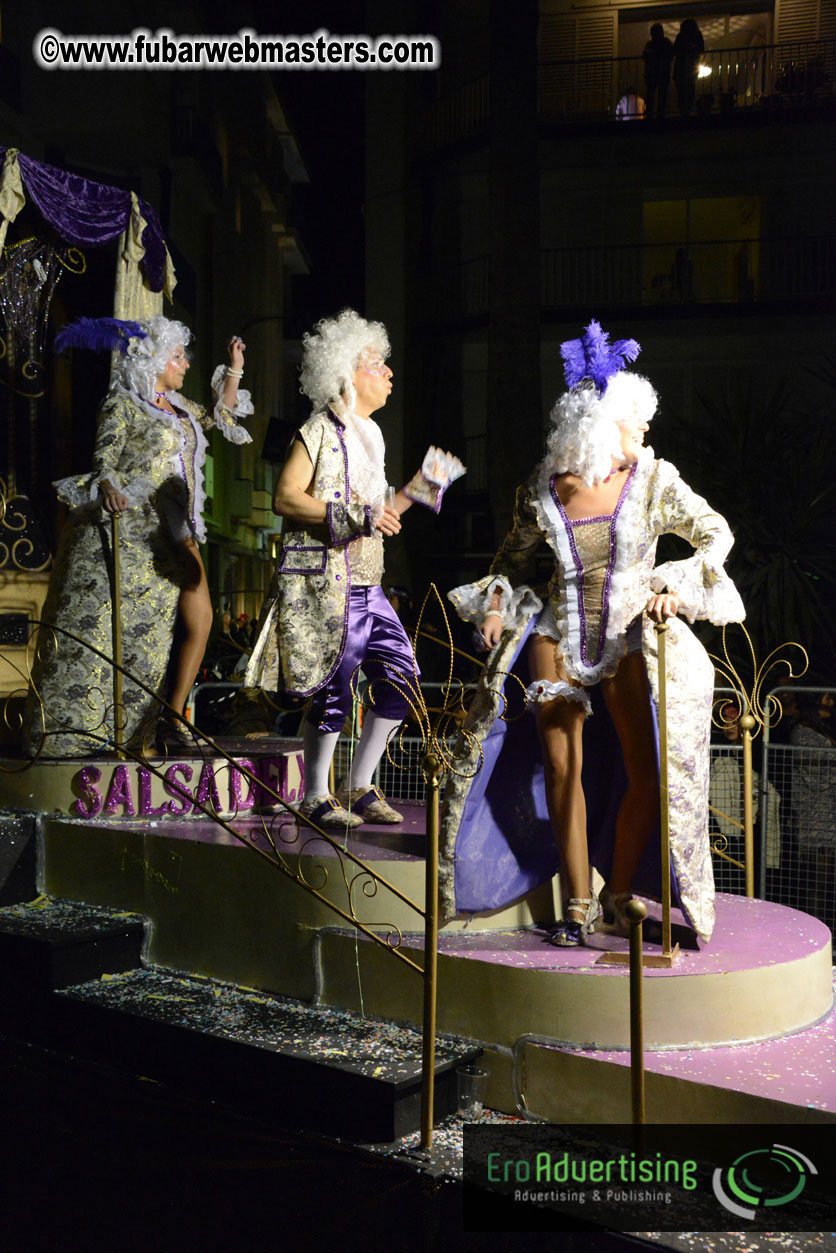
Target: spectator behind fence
688,47
658,57
725,790
630,107
814,796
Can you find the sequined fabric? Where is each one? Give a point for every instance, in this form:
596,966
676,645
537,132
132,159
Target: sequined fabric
365,561
592,543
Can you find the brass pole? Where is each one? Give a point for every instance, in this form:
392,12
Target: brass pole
431,765
661,631
636,913
747,726
116,628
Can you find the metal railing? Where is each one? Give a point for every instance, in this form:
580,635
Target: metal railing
792,72
747,271
771,77
730,271
797,821
284,838
456,116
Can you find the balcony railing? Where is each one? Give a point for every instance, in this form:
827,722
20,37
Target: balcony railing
769,77
801,72
724,271
456,116
738,271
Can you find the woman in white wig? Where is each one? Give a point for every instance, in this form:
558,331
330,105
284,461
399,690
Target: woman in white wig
148,468
328,614
598,501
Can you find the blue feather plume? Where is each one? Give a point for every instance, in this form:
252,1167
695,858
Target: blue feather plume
594,357
98,334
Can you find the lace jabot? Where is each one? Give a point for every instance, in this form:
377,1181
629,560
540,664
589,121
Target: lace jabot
366,453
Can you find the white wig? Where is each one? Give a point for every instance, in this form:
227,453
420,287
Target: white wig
138,369
586,436
330,357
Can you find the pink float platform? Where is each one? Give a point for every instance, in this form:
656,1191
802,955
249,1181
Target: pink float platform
740,1029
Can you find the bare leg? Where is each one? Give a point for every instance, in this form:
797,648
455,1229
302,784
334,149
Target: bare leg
195,610
560,726
627,698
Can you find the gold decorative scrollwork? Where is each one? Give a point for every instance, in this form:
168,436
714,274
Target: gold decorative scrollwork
748,697
15,546
749,710
73,260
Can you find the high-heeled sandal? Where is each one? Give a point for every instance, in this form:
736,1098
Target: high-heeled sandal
613,919
570,932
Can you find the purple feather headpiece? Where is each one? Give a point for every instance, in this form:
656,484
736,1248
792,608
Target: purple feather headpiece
99,334
594,357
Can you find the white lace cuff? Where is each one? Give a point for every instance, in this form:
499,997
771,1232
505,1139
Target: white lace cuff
473,601
77,490
438,470
541,691
80,490
243,406
704,591
225,418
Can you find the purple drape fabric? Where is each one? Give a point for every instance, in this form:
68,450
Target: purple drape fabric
88,214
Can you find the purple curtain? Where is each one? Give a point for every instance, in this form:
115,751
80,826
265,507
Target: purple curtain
88,214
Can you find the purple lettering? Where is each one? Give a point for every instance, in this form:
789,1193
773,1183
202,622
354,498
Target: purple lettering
237,802
146,808
177,789
119,793
89,801
207,789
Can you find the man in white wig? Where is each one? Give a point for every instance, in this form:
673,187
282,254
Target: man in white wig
327,615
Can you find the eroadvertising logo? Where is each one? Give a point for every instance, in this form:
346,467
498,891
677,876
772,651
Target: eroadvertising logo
762,1178
665,1177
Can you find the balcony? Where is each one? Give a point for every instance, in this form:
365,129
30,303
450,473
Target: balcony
775,76
747,273
738,272
772,78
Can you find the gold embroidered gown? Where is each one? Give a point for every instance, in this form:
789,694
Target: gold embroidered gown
155,459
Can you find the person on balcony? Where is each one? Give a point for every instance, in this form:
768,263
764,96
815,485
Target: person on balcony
688,48
327,614
599,502
148,469
658,58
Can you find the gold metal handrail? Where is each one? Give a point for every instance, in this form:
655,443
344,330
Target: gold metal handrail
434,763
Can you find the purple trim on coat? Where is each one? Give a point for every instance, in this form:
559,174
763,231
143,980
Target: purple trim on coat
578,564
601,517
605,615
341,438
281,568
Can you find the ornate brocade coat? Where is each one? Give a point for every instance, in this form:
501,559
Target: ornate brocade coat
302,630
497,842
156,460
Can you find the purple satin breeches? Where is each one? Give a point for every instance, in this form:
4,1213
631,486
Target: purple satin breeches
375,641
